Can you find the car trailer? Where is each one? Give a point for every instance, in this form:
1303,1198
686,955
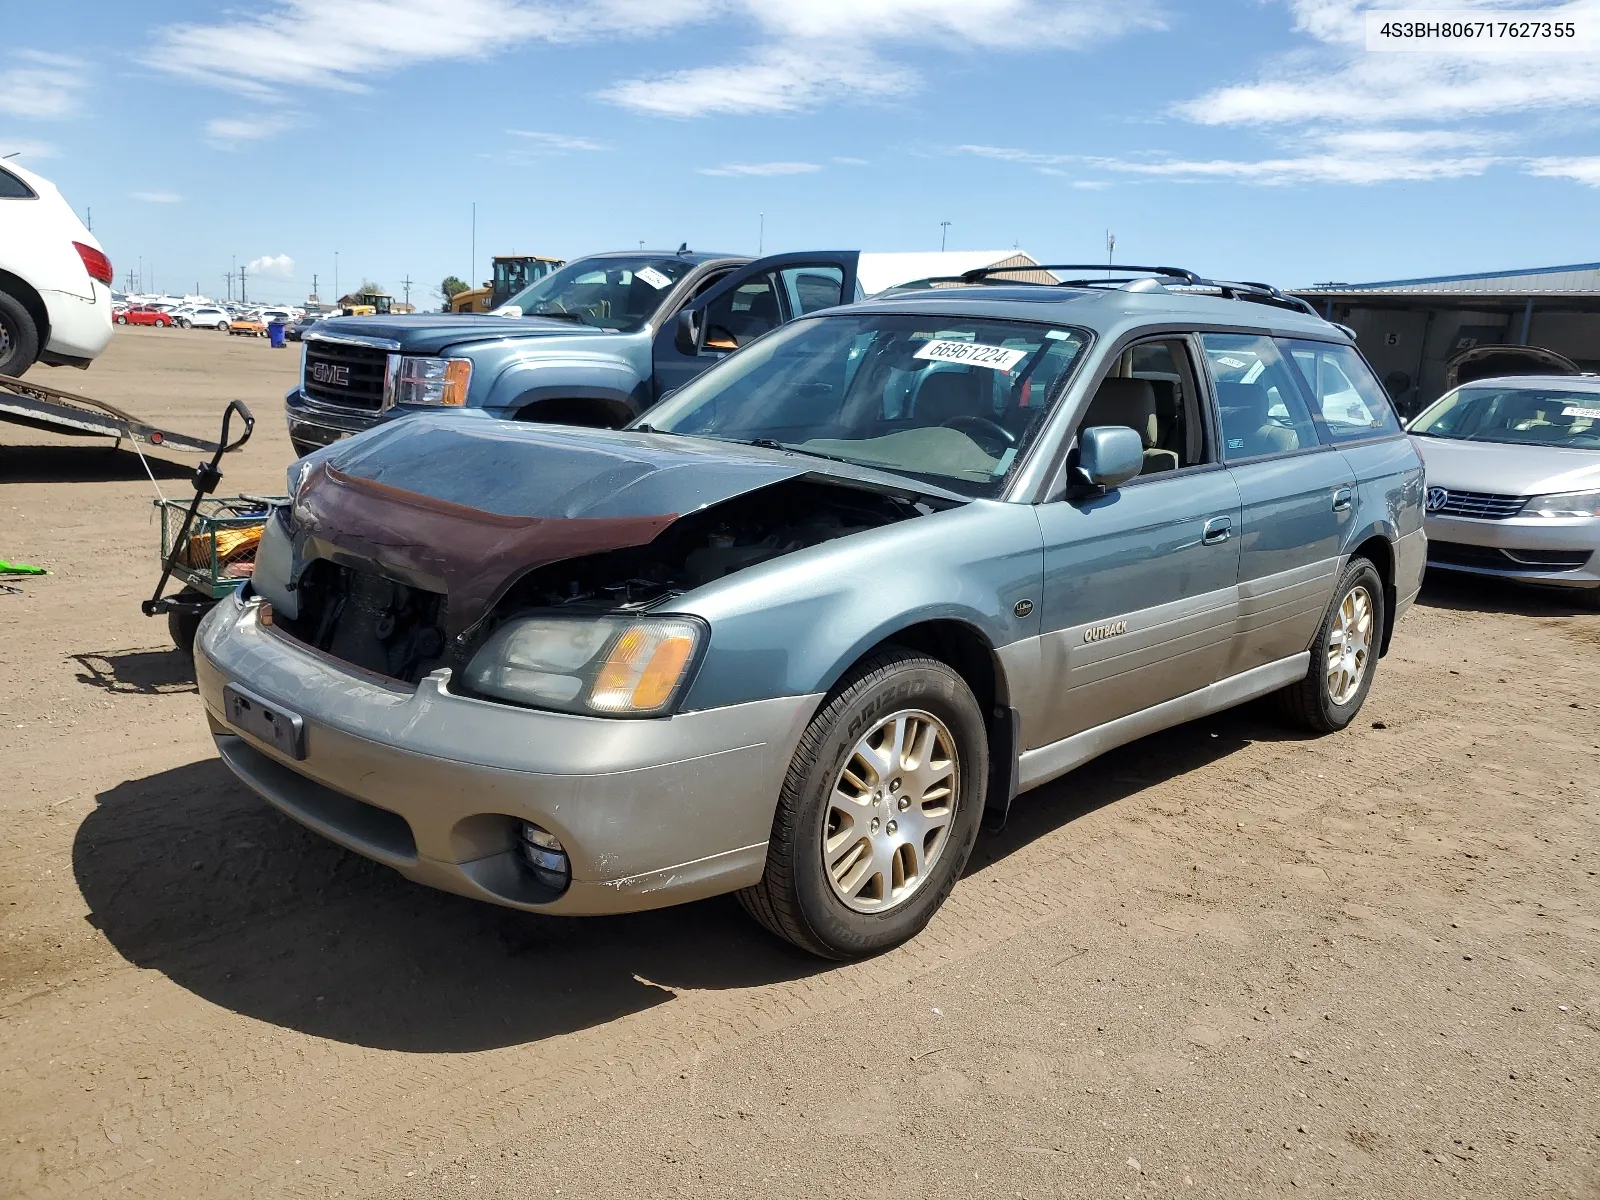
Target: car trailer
39,407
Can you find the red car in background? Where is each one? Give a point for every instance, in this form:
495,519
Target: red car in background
143,316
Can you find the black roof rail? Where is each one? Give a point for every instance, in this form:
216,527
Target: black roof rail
979,274
1255,293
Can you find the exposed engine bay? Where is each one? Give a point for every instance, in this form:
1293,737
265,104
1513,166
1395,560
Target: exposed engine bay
372,621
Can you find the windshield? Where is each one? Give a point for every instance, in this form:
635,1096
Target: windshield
1519,415
952,400
620,293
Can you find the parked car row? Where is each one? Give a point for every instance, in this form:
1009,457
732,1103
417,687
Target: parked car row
849,578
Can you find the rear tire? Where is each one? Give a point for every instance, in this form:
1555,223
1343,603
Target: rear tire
1344,657
836,858
19,336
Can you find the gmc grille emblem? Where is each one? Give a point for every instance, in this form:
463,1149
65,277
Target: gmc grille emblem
331,373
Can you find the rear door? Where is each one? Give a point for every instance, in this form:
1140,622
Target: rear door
1297,493
748,302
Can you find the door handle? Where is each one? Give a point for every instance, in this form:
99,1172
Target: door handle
1216,531
1342,499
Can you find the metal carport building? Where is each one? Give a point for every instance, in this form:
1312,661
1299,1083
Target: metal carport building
1410,329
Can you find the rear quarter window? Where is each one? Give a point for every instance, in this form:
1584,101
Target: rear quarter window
12,188
1344,391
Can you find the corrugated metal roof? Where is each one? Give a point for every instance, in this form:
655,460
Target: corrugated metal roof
1576,279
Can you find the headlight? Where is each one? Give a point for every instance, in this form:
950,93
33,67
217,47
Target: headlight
435,381
1565,504
599,666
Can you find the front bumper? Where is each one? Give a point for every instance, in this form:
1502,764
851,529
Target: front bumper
1478,547
314,424
651,812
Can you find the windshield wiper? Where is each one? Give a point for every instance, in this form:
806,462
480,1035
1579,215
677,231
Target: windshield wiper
561,316
774,444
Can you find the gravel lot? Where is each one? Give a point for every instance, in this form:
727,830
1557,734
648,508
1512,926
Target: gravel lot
1224,961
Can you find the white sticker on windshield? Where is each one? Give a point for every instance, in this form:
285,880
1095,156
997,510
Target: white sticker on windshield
976,354
1238,364
1057,335
1573,410
653,277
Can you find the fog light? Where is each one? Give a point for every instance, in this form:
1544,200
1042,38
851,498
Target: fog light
544,855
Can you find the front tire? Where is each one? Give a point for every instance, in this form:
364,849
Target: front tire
1344,658
19,337
879,810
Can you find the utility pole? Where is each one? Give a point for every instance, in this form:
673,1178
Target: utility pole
242,298
228,278
314,291
337,294
944,233
1111,246
89,218
406,283
470,271
761,236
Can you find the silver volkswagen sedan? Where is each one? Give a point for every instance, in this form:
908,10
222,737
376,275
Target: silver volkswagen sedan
1514,480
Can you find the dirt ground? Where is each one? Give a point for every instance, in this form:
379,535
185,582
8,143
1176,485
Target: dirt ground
1225,961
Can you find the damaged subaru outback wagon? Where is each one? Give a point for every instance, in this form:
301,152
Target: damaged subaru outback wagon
842,596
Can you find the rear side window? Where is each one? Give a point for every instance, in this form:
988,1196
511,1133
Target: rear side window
1348,396
1260,396
12,188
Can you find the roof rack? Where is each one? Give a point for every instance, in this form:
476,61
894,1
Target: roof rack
1255,293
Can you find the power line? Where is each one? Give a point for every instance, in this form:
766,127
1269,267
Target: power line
406,283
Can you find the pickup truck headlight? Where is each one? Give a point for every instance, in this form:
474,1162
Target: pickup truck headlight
1565,504
596,666
436,381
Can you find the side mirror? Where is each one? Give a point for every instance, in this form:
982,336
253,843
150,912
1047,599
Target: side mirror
687,338
1109,455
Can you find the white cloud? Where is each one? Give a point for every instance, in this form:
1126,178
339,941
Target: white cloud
43,86
280,266
1359,157
1583,170
1336,81
158,197
558,141
228,132
803,53
775,79
846,161
771,168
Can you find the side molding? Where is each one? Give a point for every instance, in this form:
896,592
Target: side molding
1048,762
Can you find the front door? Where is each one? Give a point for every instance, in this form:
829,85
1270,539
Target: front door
748,302
1297,495
1140,583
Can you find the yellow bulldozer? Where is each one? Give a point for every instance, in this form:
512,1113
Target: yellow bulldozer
366,304
512,273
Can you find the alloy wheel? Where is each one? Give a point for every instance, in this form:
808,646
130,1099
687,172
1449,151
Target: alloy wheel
890,811
1349,645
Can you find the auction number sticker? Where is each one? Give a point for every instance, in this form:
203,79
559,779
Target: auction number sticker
973,354
1577,411
1481,30
653,277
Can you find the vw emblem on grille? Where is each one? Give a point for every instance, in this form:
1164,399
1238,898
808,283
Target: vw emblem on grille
1437,499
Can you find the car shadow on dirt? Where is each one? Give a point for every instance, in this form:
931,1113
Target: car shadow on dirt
188,873
87,462
152,671
1484,593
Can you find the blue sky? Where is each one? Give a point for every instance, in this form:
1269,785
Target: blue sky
1242,138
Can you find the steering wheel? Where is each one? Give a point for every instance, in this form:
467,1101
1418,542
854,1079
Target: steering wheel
986,430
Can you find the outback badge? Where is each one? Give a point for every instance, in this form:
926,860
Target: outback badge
1099,633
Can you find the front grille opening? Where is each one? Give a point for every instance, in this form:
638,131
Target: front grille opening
346,375
1485,506
369,620
1460,554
